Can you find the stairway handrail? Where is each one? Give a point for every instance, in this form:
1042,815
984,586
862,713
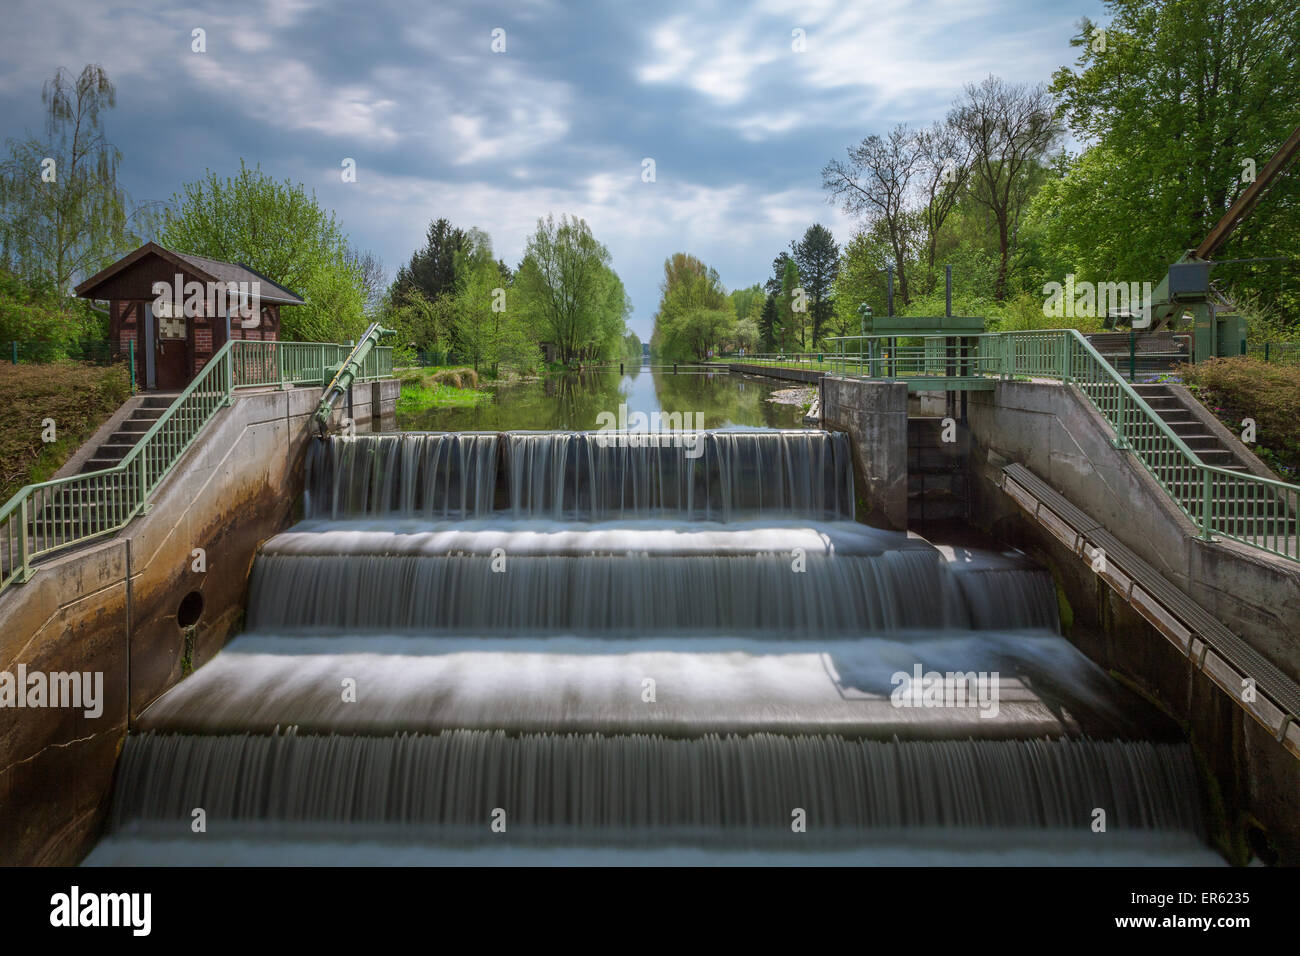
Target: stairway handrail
135,477
1068,356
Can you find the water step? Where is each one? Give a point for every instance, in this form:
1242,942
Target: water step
644,788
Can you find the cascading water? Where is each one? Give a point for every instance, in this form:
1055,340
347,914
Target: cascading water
699,475
670,642
424,476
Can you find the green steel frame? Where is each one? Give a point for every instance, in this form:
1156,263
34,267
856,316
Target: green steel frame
1259,512
54,515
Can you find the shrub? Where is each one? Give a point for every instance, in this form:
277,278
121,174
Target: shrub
34,312
1241,387
79,398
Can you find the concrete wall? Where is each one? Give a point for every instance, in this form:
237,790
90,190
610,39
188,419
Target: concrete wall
1250,780
774,371
111,607
875,416
1058,435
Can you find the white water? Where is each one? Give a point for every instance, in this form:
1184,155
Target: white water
498,643
703,684
913,847
701,475
635,787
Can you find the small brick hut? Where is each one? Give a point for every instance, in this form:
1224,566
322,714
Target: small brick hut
173,346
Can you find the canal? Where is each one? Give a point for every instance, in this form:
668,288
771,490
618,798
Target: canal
573,401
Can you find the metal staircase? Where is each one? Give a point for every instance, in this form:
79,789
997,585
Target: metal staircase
129,433
53,516
1195,434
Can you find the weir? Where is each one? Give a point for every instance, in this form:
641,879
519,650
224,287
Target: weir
483,640
583,475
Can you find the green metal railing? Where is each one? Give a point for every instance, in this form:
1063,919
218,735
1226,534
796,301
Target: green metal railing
52,515
1285,353
360,360
1256,511
286,364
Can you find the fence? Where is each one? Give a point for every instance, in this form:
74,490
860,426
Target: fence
1255,511
1284,353
95,351
53,515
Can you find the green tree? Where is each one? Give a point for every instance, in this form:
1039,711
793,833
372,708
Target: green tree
768,325
1178,102
876,184
747,303
478,323
432,268
793,307
281,231
632,346
62,214
818,258
568,293
944,161
745,334
861,278
1008,129
694,313
421,324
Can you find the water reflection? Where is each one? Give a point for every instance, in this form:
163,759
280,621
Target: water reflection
573,401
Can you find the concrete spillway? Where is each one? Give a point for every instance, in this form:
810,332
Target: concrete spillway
696,475
694,671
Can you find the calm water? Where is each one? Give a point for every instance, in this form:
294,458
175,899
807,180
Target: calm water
574,401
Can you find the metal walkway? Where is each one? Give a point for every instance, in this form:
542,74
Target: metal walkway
1224,657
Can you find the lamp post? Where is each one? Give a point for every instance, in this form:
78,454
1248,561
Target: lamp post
864,313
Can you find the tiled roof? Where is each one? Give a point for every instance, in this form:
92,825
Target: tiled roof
210,270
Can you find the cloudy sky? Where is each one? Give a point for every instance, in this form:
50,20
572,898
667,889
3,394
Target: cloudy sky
737,121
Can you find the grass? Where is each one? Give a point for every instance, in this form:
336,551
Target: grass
79,398
1238,388
439,387
457,376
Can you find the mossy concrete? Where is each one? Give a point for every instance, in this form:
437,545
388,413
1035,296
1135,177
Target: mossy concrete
111,607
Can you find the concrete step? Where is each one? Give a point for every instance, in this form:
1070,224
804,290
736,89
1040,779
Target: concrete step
1196,442
1161,404
98,462
113,451
123,437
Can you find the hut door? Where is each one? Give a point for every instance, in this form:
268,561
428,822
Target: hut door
171,358
150,340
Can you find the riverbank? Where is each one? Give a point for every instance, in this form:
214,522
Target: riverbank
51,410
439,387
